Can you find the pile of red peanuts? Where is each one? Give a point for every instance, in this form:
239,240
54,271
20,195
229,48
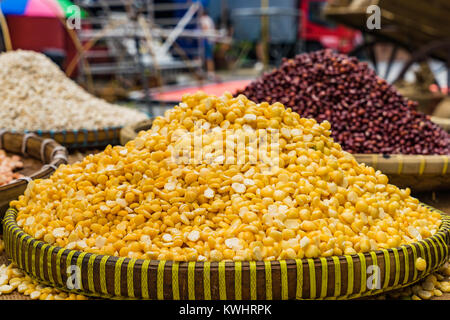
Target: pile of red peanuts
7,167
367,114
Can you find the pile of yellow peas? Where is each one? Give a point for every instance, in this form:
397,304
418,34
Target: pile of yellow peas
434,285
13,279
137,201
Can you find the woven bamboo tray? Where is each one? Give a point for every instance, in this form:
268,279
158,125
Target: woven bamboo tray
442,122
420,173
82,139
50,153
426,101
338,277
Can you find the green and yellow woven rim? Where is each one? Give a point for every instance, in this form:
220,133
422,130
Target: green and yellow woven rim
337,277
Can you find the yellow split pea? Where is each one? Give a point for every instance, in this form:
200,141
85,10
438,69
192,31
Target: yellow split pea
137,201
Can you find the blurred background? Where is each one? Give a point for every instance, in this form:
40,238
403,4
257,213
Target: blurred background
149,52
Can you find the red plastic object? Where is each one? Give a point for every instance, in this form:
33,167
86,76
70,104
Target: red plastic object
39,34
336,37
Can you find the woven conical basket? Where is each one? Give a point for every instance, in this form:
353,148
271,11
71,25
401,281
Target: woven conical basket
337,277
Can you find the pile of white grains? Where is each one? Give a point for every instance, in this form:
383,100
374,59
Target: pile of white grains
36,95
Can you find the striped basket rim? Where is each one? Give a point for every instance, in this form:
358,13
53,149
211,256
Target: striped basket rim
126,278
400,164
83,138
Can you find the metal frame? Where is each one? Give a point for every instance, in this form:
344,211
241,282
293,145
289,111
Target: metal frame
170,31
141,24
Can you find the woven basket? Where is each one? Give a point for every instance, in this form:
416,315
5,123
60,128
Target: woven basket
50,153
420,93
338,277
82,139
420,173
130,132
444,123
